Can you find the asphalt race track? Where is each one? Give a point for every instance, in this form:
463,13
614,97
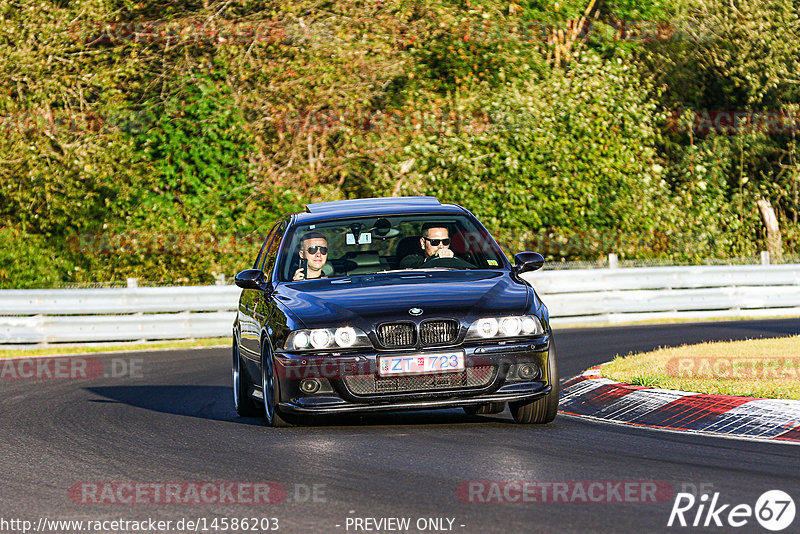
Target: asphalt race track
173,422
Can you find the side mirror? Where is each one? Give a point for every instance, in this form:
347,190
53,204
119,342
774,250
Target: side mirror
527,261
250,279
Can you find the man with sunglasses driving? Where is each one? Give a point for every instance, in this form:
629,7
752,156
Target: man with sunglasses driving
435,243
314,252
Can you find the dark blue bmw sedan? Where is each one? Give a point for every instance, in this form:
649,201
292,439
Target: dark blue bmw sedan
390,304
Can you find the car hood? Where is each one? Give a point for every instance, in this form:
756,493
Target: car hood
367,300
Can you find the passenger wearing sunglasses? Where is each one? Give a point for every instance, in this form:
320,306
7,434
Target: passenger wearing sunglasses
314,253
435,243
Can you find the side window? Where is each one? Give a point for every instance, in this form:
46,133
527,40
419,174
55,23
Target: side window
272,249
264,247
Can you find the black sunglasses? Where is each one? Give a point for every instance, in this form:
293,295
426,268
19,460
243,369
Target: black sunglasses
435,242
314,249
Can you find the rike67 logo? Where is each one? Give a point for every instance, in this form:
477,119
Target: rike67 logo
774,510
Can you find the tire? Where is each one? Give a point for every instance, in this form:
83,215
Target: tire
245,405
544,409
270,388
485,409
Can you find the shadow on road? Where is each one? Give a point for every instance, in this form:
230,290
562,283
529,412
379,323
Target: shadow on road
215,403
205,402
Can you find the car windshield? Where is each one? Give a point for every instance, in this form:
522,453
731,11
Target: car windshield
368,245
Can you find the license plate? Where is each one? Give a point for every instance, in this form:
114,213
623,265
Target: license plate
417,364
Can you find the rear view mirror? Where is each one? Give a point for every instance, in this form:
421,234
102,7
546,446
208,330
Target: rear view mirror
363,239
527,261
250,279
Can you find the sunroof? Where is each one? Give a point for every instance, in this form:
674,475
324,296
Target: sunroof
359,203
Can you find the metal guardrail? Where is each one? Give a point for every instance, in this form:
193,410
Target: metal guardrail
118,301
592,296
598,296
122,314
87,328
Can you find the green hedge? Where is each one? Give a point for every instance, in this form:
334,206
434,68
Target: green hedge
139,139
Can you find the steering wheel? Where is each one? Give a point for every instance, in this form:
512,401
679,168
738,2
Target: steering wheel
452,263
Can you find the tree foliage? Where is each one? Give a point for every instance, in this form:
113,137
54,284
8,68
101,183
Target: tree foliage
160,139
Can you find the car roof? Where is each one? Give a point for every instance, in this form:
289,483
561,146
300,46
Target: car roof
368,207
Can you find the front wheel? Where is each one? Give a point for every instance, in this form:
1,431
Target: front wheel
270,386
544,409
242,401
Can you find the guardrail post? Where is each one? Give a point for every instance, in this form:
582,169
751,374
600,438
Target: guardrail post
220,279
764,257
613,261
133,282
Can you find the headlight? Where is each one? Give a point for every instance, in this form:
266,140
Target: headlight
500,327
300,340
531,325
345,337
320,339
510,326
486,327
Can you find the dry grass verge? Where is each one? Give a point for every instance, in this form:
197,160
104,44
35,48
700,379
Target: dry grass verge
768,368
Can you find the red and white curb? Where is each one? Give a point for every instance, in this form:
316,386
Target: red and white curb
590,395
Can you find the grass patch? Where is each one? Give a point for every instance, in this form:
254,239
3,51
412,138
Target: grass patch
647,381
89,349
768,368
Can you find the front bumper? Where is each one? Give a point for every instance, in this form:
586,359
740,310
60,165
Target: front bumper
331,405
339,370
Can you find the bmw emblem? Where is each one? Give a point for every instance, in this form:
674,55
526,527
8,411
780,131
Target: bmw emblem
415,311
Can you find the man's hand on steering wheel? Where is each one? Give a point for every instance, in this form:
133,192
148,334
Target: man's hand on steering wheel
447,262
